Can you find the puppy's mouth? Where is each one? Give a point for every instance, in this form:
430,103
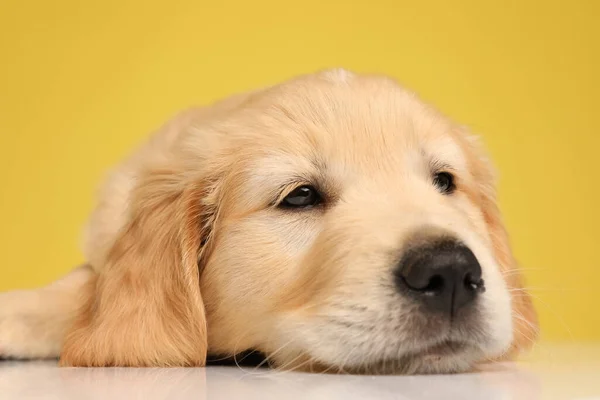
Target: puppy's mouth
445,349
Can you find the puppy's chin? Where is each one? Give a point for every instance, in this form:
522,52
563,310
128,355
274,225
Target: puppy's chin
445,358
442,357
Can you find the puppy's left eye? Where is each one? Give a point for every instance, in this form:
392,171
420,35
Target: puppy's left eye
301,197
444,181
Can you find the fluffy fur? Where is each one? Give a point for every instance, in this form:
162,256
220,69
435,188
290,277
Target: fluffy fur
188,254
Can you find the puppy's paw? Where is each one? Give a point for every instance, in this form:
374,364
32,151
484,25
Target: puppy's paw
26,330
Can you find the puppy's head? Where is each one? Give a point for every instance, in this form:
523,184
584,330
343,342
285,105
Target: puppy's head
338,223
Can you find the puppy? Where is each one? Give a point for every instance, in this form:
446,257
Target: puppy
333,223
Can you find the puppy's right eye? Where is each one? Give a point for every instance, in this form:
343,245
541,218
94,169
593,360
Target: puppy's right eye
301,197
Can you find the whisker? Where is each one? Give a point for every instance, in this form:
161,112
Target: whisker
538,289
521,318
560,319
284,368
269,357
519,270
343,364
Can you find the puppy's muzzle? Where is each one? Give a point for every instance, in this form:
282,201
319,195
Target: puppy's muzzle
442,275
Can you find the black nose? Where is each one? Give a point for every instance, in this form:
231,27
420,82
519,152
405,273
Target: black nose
444,276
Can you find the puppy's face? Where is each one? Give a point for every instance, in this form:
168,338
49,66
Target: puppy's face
333,222
356,231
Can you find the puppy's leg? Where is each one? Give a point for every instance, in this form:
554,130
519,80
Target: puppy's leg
33,323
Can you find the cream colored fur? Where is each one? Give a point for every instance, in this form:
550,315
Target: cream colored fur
188,253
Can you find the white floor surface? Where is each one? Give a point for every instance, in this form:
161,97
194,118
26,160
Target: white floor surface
569,372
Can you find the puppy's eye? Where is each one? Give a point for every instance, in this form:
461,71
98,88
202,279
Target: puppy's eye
301,197
444,182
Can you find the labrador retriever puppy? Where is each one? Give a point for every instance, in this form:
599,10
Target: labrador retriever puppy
334,222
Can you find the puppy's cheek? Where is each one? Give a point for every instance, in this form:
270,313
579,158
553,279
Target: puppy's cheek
355,322
253,262
496,310
498,313
299,336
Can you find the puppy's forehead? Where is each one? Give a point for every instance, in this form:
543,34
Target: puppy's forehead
352,126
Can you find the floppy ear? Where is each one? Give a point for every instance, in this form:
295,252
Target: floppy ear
145,308
525,322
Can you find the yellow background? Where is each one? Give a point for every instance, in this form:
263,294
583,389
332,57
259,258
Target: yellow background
81,82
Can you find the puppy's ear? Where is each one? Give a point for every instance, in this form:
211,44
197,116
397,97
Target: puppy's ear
145,308
525,322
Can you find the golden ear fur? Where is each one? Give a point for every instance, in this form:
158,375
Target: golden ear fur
144,308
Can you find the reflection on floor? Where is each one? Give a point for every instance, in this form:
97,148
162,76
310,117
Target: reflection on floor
565,372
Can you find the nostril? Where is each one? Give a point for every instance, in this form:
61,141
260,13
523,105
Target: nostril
473,284
435,285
